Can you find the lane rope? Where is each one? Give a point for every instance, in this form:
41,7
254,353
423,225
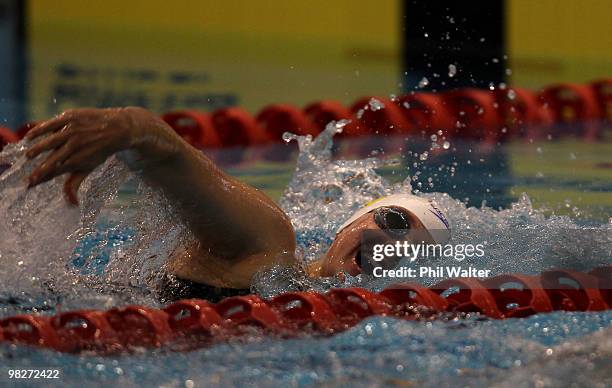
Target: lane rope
491,116
190,324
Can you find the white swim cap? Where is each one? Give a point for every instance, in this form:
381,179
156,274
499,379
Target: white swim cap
425,210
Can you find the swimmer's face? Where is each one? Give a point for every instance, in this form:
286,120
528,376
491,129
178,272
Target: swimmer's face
344,254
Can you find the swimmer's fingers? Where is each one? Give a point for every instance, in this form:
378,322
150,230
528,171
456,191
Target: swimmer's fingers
83,153
52,166
72,184
51,142
52,125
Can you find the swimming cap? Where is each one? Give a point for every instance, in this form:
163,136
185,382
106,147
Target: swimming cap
425,210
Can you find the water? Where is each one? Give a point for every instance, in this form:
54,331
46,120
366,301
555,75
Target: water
554,349
109,252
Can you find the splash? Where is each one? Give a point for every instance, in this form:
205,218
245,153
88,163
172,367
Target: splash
124,229
323,193
111,250
102,253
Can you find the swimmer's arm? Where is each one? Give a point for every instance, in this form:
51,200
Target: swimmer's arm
230,220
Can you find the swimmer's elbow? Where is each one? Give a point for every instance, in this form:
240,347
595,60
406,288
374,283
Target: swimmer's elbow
282,243
279,243
289,239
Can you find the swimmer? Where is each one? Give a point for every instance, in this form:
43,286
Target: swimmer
239,230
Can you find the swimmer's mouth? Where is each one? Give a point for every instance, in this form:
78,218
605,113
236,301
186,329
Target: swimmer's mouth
353,263
357,259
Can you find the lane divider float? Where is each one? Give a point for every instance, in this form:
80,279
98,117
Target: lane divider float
189,324
490,116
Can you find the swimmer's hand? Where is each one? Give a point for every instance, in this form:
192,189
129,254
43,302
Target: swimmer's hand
80,140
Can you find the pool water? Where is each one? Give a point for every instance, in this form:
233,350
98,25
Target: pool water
109,252
568,177
547,350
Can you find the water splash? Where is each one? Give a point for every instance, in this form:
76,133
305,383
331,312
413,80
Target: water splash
98,254
323,193
121,246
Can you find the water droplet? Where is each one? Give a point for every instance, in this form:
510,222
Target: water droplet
288,136
452,70
375,104
511,94
446,145
340,124
423,82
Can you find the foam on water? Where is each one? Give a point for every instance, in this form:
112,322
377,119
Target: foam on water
105,253
123,244
323,193
99,254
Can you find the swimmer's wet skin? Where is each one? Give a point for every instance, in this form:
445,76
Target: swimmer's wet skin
239,230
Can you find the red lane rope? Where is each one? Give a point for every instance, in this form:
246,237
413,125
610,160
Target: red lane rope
490,116
7,136
189,324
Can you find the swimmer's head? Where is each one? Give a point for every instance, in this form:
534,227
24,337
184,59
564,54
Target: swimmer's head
399,216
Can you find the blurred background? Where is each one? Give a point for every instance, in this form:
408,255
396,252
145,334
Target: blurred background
207,55
211,54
